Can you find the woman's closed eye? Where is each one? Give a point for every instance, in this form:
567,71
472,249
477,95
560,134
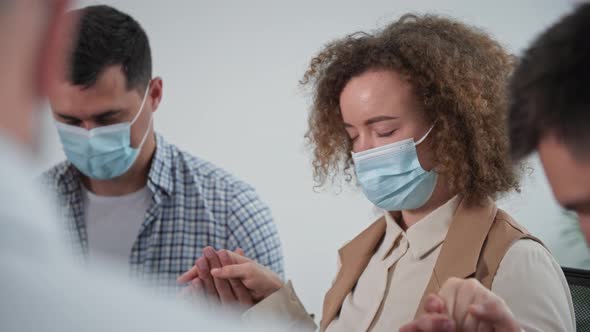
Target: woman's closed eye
386,133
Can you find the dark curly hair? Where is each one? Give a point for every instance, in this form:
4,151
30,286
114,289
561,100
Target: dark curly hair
458,73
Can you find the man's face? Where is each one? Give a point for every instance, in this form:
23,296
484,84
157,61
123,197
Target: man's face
569,177
107,102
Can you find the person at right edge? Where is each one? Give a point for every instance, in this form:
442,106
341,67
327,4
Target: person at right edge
549,113
418,110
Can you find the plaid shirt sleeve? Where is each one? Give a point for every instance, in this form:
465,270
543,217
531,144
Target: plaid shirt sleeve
251,228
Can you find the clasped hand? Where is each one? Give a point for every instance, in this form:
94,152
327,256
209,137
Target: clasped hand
229,278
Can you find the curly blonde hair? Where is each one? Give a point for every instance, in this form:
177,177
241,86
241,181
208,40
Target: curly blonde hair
460,76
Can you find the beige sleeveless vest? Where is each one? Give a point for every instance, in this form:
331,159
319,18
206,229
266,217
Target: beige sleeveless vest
479,235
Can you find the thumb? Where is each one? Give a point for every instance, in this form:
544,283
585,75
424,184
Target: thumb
435,304
236,257
495,313
236,271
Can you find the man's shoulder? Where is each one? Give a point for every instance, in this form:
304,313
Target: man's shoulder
54,176
195,170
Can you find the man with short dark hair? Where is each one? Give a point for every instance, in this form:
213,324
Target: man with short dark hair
550,110
127,193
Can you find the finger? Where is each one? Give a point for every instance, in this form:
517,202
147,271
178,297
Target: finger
238,258
206,279
410,327
435,305
222,286
469,290
188,275
236,271
240,252
430,322
448,293
473,323
224,258
495,313
240,291
484,327
470,323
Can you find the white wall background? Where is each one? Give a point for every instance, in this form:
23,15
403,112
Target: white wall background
231,95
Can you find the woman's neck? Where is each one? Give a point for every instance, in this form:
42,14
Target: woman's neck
439,197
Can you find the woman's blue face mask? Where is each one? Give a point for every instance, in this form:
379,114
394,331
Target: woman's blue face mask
391,175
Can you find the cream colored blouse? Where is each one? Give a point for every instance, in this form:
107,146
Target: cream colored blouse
389,290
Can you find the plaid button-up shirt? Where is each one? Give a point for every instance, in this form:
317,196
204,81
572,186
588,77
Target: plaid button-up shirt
194,204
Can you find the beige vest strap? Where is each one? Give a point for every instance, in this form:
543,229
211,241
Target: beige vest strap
502,234
355,257
465,239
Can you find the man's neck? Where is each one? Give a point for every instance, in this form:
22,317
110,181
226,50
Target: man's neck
130,182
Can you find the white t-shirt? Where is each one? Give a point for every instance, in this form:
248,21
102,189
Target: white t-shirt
113,224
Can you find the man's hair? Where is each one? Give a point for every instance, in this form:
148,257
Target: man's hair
108,37
550,89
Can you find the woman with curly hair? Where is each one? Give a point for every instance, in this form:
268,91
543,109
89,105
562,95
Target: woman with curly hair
418,112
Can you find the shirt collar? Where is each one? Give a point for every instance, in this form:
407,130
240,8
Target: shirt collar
426,234
161,175
431,231
68,178
392,233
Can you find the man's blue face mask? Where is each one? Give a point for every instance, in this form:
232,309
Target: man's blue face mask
391,176
105,152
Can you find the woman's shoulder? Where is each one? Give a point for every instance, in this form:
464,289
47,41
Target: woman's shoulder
534,287
525,251
527,260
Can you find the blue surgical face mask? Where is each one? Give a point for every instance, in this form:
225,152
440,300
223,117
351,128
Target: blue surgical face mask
391,176
105,152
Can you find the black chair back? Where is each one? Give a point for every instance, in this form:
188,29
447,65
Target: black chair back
579,282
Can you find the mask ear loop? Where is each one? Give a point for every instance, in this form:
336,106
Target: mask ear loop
146,133
424,137
147,89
